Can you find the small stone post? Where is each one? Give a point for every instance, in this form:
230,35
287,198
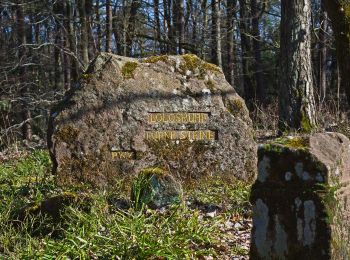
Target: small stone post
301,199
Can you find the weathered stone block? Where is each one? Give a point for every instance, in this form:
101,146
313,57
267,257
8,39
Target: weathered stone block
301,199
174,112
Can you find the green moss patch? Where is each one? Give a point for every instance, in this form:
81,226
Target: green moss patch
305,124
234,105
197,66
211,67
296,142
128,69
155,59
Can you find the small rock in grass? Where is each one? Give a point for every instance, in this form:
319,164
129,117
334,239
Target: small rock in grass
155,188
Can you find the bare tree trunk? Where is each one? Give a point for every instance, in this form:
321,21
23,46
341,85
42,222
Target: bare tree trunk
249,90
84,32
216,33
323,54
297,105
194,16
231,8
72,43
130,32
108,26
180,24
98,26
204,30
90,24
158,44
59,76
169,26
24,86
260,89
66,57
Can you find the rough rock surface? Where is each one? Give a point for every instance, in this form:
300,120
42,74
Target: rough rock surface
301,199
97,134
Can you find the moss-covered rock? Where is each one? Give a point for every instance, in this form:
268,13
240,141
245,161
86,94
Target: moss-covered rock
128,69
191,63
155,188
105,130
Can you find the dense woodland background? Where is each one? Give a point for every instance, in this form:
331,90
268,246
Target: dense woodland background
45,46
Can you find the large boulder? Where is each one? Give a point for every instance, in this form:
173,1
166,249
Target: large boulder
175,112
301,199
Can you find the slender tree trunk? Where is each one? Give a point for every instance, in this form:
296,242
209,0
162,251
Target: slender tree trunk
249,90
84,32
158,45
340,21
72,43
24,87
175,16
323,55
194,17
59,81
216,33
98,26
90,24
58,70
169,27
130,32
260,89
117,31
231,8
204,30
109,27
124,28
66,57
297,106
180,27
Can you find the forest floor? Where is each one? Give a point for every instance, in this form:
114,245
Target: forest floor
213,222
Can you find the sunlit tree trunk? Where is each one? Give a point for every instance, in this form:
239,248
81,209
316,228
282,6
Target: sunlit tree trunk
231,8
216,33
108,26
297,105
204,9
84,40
